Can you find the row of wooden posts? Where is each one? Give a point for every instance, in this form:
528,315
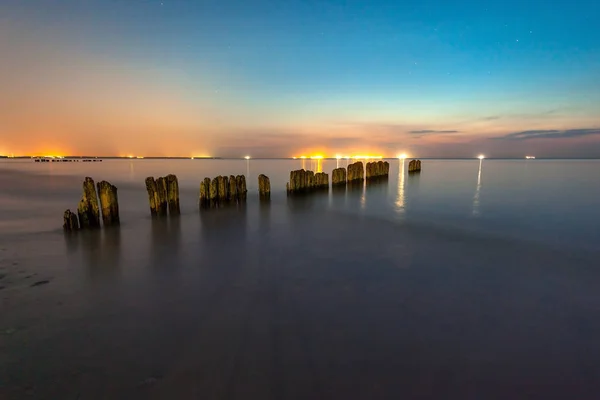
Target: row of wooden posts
163,192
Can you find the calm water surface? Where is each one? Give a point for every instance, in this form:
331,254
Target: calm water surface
469,280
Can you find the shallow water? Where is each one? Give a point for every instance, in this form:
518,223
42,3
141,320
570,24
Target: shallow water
468,280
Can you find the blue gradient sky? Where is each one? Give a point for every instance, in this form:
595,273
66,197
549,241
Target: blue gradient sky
271,78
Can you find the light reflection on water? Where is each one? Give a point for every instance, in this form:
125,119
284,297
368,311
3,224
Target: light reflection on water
477,191
400,196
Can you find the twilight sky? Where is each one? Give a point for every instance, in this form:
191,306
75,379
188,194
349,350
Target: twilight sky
267,78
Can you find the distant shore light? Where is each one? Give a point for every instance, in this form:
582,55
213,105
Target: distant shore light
337,157
481,156
247,157
402,156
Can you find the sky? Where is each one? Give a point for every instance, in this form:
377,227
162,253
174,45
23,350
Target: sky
428,78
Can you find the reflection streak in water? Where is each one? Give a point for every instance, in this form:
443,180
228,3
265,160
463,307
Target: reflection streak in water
477,191
400,206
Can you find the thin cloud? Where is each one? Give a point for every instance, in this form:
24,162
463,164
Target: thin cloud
550,134
430,131
491,118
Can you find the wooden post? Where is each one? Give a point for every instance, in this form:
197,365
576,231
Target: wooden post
232,189
89,214
264,187
152,195
214,192
71,223
338,177
241,187
414,166
173,194
321,180
356,172
223,188
161,190
109,203
205,193
310,180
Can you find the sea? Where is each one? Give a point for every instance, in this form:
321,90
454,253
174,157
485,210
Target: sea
473,279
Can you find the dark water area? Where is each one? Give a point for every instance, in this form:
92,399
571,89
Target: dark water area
466,281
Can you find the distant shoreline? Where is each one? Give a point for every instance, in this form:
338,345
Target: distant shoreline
286,158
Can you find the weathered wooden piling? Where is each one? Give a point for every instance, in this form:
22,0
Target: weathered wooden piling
214,192
89,214
223,188
233,193
204,200
304,181
321,180
241,187
356,172
297,181
71,223
264,187
109,203
338,177
377,169
414,166
152,195
157,195
163,202
173,194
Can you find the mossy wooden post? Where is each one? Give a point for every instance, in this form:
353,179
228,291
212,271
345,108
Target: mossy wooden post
70,221
369,170
356,172
89,213
223,188
414,166
264,187
173,194
214,192
161,190
205,193
233,194
109,203
310,180
321,180
296,182
152,195
377,169
242,191
338,177
386,168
